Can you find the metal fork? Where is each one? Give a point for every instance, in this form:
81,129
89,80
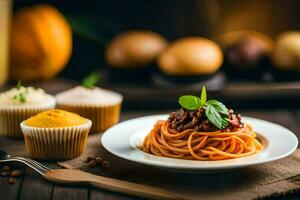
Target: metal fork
73,176
38,167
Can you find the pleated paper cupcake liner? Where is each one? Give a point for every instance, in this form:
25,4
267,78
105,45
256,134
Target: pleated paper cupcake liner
55,143
12,116
103,117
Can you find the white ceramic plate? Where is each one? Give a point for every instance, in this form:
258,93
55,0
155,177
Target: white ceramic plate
124,138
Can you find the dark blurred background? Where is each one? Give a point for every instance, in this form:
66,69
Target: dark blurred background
259,41
95,23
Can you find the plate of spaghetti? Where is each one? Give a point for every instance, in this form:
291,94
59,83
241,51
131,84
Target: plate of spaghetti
203,136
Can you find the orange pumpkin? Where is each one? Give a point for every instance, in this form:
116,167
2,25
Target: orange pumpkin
41,43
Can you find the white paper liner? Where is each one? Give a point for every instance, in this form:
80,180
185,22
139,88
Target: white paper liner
12,116
103,117
55,143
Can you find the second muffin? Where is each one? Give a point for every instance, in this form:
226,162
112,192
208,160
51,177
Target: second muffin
55,134
102,106
20,103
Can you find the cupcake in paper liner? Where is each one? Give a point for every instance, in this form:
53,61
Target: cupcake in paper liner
55,135
20,103
102,106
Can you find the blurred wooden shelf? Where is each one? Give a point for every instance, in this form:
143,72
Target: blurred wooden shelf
243,93
230,90
247,94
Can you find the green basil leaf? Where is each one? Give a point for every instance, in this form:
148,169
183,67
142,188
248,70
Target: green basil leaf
190,102
203,95
22,98
224,122
215,118
220,107
91,80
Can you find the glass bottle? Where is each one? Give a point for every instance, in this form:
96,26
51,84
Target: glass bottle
5,16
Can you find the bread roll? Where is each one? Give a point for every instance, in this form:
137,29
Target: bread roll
134,49
191,56
286,55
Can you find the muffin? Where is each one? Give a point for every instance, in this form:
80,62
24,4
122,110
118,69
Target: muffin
20,103
55,134
99,105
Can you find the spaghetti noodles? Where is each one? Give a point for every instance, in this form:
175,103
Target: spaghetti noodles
195,145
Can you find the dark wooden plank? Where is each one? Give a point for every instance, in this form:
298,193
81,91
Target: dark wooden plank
135,114
70,193
285,118
96,194
35,187
296,116
14,147
11,192
265,115
296,119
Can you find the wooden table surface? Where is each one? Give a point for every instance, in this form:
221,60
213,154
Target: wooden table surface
32,186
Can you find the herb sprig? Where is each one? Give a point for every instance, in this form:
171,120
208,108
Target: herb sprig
21,96
215,111
91,80
19,84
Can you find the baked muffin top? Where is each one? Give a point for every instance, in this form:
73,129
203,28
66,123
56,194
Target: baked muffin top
55,119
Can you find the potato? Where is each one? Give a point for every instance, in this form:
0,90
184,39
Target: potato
286,55
134,49
191,56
